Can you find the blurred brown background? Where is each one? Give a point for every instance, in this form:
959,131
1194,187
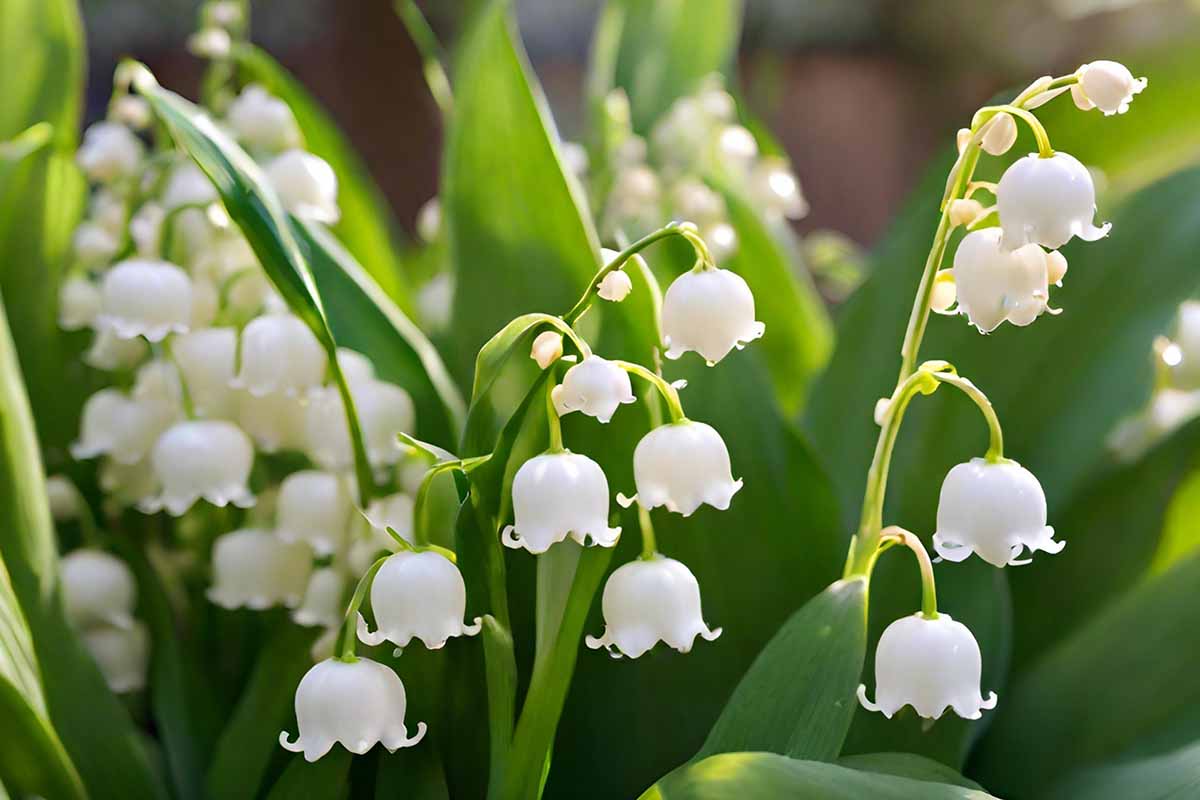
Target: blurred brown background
860,92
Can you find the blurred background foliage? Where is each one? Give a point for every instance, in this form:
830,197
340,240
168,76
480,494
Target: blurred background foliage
1092,652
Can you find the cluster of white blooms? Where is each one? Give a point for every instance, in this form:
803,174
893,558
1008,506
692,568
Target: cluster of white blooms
697,144
1002,270
214,387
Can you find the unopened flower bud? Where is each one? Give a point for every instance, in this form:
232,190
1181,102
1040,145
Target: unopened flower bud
1106,85
964,211
210,43
709,312
961,138
146,298
201,459
79,303
547,348
122,654
98,589
595,387
279,355
355,703
256,569
682,466
418,596
615,286
994,510
109,151
306,184
1056,267
999,134
313,507
261,120
556,495
929,664
650,601
994,284
944,292
1047,201
429,220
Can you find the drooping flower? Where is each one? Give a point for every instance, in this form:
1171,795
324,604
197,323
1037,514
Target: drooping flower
122,654
384,410
119,426
201,459
649,601
709,312
615,286
98,589
993,284
261,120
313,507
279,354
355,703
79,303
418,596
1106,85
109,151
681,466
256,569
274,421
929,664
556,495
994,509
1047,201
206,359
306,184
322,603
547,348
110,352
141,297
595,387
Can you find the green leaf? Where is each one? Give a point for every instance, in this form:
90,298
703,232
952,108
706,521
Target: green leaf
412,773
1127,673
766,776
41,67
251,737
799,337
907,765
668,46
1174,776
364,319
517,229
253,205
326,779
1180,537
367,227
797,698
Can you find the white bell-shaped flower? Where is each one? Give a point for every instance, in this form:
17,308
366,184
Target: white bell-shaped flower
110,352
929,664
261,120
547,348
313,507
556,495
384,410
206,358
79,303
187,185
710,312
109,151
1106,85
141,297
323,602
355,703
1047,201
994,509
274,421
279,354
306,184
122,427
201,459
993,284
681,466
594,386
650,601
256,569
94,244
418,596
355,367
122,654
98,589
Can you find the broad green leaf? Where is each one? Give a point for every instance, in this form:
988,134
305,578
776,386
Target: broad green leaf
907,765
1130,671
367,227
799,336
325,779
364,319
766,776
253,205
42,59
668,46
797,699
518,237
412,773
1173,776
251,737
1180,537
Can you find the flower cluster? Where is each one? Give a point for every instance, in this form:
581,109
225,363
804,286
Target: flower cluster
1002,269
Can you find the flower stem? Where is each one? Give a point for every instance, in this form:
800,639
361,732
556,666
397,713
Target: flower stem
420,523
347,637
553,424
185,396
668,392
894,533
996,435
649,541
